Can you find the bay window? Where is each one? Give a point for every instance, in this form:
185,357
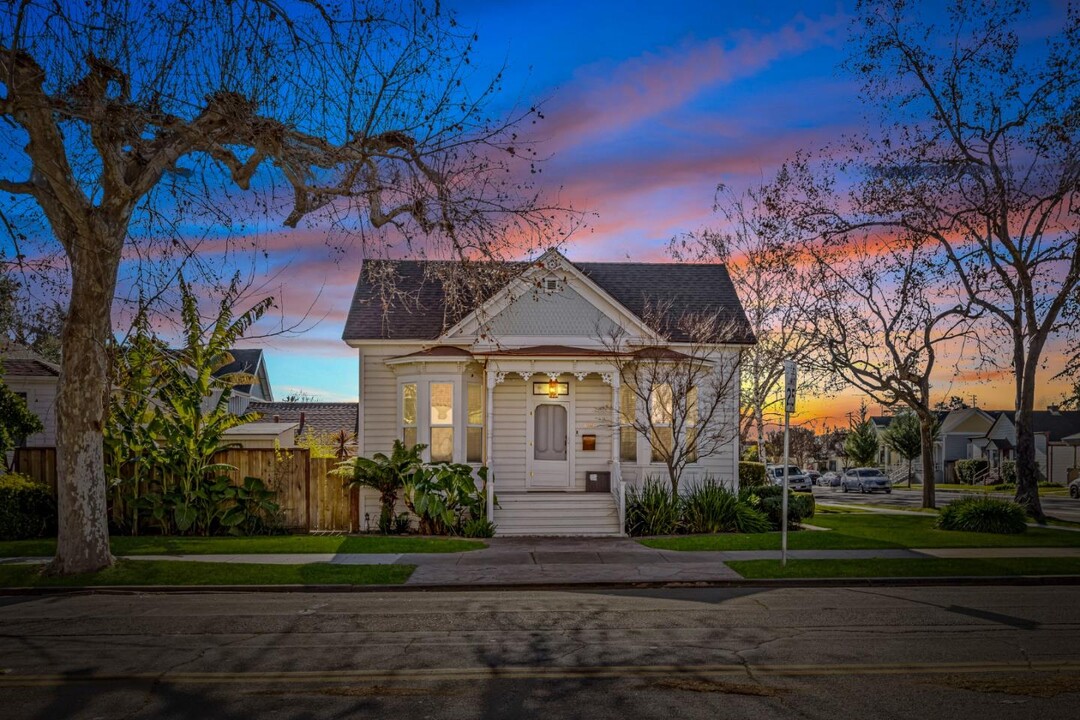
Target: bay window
442,421
408,414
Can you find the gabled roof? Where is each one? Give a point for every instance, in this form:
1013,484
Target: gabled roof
19,360
419,309
326,417
244,361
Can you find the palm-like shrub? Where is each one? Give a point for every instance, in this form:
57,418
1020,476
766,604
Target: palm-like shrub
652,509
977,513
386,474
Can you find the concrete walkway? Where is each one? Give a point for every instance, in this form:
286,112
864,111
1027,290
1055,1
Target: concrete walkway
539,561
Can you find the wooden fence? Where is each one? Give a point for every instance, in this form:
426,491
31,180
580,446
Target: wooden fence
311,498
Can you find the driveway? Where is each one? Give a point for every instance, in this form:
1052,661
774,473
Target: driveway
1062,508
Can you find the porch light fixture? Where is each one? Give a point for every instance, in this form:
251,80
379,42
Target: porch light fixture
553,389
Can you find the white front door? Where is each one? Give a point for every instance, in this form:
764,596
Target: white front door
549,446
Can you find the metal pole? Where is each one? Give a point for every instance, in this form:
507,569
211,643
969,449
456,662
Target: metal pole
783,511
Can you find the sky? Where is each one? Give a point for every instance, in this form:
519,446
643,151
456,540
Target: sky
648,107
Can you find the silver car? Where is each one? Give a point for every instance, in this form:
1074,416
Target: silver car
865,480
797,479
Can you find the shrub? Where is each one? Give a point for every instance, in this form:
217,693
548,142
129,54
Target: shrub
27,508
967,470
709,507
769,500
478,528
751,520
652,509
751,474
977,513
1008,472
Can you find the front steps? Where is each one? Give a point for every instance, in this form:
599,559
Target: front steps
556,513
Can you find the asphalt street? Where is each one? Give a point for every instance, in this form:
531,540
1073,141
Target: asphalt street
980,652
1062,508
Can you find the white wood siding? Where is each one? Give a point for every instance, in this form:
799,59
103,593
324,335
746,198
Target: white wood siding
593,403
508,438
40,400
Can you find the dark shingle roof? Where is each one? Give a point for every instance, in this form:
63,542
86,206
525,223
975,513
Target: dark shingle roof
244,361
27,368
687,288
326,417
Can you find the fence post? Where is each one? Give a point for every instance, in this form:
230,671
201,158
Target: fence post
307,489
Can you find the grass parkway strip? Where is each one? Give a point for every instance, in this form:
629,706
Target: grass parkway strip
866,531
156,545
171,572
896,568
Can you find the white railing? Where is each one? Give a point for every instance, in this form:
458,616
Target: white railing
618,493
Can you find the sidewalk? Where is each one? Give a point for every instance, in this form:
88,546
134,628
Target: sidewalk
569,561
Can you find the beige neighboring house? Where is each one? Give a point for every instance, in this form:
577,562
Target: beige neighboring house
34,378
522,383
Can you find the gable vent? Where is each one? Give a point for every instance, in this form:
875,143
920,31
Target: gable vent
551,284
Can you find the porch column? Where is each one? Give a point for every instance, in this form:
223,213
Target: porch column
616,429
489,429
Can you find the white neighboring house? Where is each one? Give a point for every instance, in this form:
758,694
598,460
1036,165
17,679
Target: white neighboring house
523,383
32,377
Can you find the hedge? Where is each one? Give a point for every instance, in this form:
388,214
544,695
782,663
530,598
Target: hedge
966,470
27,508
751,474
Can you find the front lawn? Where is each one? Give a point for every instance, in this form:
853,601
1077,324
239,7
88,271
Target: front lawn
261,545
169,572
867,531
915,567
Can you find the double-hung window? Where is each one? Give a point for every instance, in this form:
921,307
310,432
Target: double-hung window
661,411
691,424
474,430
627,434
442,421
408,414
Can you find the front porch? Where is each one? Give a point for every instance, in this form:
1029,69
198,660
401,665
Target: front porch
552,436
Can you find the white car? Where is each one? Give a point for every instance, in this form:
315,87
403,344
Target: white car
797,479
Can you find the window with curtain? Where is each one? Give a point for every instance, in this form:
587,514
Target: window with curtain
474,431
408,414
627,434
661,410
442,422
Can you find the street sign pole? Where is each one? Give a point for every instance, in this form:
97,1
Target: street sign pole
789,407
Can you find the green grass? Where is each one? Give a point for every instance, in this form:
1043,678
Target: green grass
168,572
915,567
867,531
151,545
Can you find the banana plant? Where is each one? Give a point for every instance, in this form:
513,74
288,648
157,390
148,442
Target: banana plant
385,474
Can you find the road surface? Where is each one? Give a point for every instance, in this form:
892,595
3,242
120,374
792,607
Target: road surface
981,652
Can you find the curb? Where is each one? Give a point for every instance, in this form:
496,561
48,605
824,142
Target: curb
767,583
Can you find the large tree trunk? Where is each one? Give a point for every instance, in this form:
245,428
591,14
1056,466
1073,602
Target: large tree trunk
926,436
81,401
1027,469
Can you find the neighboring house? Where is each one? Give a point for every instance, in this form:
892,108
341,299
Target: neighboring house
32,377
262,435
522,382
973,433
326,418
253,363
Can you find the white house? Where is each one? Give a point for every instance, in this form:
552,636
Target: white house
33,378
523,383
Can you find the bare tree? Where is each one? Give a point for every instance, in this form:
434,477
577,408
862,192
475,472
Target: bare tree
884,313
127,124
981,156
755,242
684,382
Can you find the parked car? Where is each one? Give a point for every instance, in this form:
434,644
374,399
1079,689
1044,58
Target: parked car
1074,489
797,479
865,480
829,479
814,476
